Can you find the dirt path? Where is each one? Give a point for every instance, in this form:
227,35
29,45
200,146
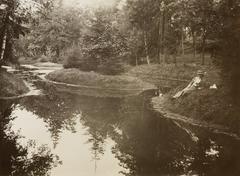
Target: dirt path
157,104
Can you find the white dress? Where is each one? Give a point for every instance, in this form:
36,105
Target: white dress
193,85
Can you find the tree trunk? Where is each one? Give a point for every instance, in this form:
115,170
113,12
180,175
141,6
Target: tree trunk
163,36
136,59
57,52
203,48
182,42
204,38
175,59
4,41
159,40
194,45
145,39
146,47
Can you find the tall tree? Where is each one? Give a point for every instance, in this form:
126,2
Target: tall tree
10,28
104,44
140,16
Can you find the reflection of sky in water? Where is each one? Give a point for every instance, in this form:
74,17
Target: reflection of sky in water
213,151
72,148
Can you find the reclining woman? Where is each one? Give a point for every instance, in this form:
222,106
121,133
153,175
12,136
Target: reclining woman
193,85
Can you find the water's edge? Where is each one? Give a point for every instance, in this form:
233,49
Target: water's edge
218,129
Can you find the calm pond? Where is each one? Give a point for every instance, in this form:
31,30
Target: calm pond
70,135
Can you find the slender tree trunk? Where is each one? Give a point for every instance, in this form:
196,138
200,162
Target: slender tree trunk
163,36
203,48
159,40
182,42
136,59
58,52
175,59
145,39
4,41
204,38
194,44
146,47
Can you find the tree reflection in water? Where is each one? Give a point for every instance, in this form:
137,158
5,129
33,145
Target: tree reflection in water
60,113
18,160
99,115
149,145
138,147
145,143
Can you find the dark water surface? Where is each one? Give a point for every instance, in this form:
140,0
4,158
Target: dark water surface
70,135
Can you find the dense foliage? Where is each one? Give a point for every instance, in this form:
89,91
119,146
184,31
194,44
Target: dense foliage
131,32
104,43
11,17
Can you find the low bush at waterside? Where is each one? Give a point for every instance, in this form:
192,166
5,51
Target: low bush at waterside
11,85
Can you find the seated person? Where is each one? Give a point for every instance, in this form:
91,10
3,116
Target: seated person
193,85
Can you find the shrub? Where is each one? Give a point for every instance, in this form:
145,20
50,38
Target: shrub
111,66
75,59
43,58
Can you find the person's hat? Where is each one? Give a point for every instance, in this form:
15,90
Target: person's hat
200,72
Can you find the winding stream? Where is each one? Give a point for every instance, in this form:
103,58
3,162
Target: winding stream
108,136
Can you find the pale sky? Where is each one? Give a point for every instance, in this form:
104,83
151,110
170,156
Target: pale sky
89,3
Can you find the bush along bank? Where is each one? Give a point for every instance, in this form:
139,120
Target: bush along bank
11,85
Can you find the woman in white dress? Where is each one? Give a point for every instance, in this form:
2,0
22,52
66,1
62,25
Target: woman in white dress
193,85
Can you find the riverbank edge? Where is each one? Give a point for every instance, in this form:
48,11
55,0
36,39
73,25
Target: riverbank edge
92,80
206,107
157,104
11,85
210,108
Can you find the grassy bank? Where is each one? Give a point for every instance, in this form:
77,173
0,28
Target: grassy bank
172,76
11,85
208,105
100,83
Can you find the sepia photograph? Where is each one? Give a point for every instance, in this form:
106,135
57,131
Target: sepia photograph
119,87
